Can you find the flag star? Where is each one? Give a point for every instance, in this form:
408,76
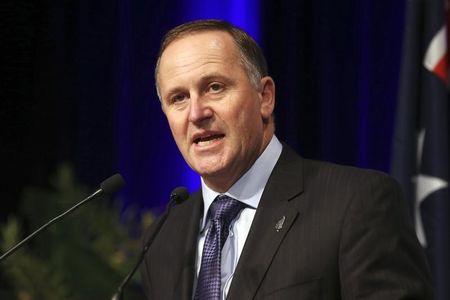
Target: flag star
425,186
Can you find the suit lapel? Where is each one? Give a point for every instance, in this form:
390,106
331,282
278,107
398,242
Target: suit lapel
276,213
186,245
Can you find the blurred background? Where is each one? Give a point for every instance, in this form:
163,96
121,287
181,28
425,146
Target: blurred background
78,103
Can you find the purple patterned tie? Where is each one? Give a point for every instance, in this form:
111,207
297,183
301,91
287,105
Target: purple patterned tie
222,212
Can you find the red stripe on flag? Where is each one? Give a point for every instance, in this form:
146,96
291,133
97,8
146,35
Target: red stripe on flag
441,68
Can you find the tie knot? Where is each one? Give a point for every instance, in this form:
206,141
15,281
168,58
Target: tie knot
225,209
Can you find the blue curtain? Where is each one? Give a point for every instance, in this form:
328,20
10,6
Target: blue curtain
88,97
336,66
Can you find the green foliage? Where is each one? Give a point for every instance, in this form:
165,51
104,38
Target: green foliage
85,256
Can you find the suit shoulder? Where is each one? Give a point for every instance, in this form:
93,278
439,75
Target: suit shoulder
293,170
344,173
290,159
355,189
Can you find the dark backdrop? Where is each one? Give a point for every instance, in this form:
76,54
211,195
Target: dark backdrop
77,85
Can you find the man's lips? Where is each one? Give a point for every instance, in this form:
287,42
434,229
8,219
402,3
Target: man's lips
207,138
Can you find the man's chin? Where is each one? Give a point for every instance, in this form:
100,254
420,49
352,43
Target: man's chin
210,172
209,165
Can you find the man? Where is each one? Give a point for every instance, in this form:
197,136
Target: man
300,229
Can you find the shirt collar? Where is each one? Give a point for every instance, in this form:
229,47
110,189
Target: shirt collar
249,188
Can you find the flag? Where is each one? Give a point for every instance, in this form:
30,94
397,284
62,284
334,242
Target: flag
421,155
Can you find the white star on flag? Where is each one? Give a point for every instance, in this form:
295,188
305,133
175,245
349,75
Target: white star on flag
425,186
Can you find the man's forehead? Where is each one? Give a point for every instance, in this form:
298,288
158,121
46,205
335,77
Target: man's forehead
211,39
196,50
199,49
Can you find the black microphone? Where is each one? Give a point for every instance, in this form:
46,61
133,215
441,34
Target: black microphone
107,187
178,195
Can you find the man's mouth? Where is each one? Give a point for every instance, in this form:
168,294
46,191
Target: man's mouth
206,140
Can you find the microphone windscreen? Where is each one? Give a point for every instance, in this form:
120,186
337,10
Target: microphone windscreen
179,194
112,184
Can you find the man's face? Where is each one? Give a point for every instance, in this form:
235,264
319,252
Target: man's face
219,120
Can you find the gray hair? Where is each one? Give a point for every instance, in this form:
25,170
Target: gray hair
250,54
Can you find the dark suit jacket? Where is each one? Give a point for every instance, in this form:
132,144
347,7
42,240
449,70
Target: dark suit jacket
346,235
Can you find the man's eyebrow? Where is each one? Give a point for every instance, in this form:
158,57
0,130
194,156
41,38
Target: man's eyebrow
173,91
201,80
211,76
214,76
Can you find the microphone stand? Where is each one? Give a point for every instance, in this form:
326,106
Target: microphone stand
119,294
29,237
107,187
177,196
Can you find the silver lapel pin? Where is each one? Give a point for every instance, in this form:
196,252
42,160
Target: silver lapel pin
279,224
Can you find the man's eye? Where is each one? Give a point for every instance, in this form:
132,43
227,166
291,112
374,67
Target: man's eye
215,87
177,98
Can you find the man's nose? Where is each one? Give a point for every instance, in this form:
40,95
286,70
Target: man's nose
199,110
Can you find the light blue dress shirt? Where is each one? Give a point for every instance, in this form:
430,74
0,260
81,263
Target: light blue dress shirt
248,189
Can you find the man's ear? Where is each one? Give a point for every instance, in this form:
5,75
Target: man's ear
267,97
